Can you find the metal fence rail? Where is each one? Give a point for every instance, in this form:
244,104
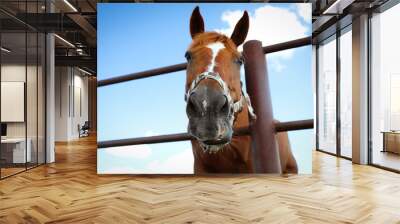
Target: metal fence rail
279,127
182,66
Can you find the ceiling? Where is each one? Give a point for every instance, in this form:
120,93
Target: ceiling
75,23
328,16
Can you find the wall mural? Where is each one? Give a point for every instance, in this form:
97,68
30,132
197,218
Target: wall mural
209,104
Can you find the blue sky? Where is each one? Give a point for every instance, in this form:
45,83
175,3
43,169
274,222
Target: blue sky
137,37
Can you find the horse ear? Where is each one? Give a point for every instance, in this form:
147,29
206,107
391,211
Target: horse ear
241,29
196,22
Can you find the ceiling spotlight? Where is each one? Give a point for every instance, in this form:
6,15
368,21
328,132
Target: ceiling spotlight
84,71
79,51
65,41
70,5
337,7
5,50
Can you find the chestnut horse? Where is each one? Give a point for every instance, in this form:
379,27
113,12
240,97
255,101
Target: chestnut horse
216,104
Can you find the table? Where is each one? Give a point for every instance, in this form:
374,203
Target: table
391,141
16,153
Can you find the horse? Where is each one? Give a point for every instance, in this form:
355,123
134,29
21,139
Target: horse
216,104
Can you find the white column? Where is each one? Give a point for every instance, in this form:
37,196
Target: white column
314,87
360,90
50,93
50,99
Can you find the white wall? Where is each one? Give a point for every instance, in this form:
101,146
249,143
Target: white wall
16,73
13,101
71,87
80,103
33,127
61,103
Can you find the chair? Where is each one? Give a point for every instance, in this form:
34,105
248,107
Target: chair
84,130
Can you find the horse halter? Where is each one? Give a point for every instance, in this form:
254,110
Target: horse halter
234,107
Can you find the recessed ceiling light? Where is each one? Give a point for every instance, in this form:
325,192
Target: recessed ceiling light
338,6
65,41
70,5
84,71
5,50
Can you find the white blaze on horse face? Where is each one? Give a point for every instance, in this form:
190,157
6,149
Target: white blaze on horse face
215,48
205,104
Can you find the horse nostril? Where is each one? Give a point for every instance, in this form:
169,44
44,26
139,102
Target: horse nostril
225,107
191,107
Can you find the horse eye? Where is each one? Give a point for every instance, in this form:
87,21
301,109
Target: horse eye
188,56
239,60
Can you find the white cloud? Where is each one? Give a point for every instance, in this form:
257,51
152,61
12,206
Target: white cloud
277,65
130,152
304,11
270,25
120,170
180,163
231,17
150,133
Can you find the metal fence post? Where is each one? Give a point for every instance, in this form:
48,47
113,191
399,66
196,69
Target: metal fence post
265,151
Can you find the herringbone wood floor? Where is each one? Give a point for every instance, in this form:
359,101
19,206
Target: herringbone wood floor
70,191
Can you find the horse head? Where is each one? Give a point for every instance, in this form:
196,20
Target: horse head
213,89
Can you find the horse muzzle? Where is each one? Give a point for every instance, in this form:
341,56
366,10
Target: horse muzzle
211,111
211,133
220,141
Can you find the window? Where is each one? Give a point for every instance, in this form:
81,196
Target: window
22,77
327,95
346,92
385,89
